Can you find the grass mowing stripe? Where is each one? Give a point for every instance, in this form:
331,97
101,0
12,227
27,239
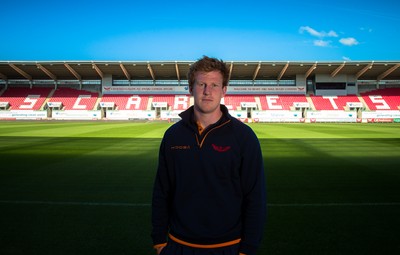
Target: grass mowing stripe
332,188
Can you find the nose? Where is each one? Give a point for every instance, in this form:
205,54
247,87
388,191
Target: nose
206,89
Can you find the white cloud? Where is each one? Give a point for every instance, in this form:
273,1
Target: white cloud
331,34
346,58
350,41
369,30
322,43
316,33
322,37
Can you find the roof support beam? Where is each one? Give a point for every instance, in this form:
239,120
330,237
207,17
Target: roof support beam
230,71
47,72
74,73
151,72
21,72
283,71
99,72
3,77
337,70
177,71
127,74
387,72
256,71
362,71
312,68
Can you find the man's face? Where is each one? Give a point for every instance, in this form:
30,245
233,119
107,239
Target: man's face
207,91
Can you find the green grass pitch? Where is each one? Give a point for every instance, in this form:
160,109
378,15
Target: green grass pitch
85,187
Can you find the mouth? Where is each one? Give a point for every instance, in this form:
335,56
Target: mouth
206,99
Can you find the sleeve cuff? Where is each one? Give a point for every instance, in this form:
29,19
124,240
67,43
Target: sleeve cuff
156,246
246,249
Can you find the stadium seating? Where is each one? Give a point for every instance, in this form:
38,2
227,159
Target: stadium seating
333,102
20,98
127,102
233,102
25,98
174,102
141,102
382,99
280,102
74,99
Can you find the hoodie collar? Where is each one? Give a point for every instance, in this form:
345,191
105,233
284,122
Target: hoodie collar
188,116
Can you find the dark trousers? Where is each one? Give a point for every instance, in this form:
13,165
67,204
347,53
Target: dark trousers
174,248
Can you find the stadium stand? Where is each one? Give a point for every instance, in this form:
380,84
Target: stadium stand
267,91
280,102
174,102
20,98
382,99
73,99
333,102
233,102
127,102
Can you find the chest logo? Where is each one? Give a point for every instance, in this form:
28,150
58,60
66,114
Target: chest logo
180,147
221,148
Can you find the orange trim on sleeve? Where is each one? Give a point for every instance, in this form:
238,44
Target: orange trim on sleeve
159,245
204,246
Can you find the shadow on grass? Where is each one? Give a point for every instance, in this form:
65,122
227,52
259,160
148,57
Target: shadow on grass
121,170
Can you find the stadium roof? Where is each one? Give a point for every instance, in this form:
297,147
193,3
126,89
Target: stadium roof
177,70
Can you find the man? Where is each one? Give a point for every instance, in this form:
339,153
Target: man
209,191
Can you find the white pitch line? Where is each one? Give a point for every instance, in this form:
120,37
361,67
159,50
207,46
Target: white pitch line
148,204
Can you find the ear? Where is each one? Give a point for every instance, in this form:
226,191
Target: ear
224,89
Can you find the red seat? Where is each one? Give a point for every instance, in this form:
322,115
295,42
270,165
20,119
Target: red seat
25,98
127,102
280,102
233,102
333,102
382,99
74,99
174,102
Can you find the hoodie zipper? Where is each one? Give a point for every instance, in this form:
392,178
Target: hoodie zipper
201,142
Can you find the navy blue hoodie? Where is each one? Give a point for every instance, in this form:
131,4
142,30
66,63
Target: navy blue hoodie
210,187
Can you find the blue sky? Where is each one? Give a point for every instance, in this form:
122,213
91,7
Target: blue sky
185,30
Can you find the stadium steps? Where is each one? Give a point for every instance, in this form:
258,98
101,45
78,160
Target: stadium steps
363,102
2,91
191,100
149,103
47,99
97,102
309,100
258,102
